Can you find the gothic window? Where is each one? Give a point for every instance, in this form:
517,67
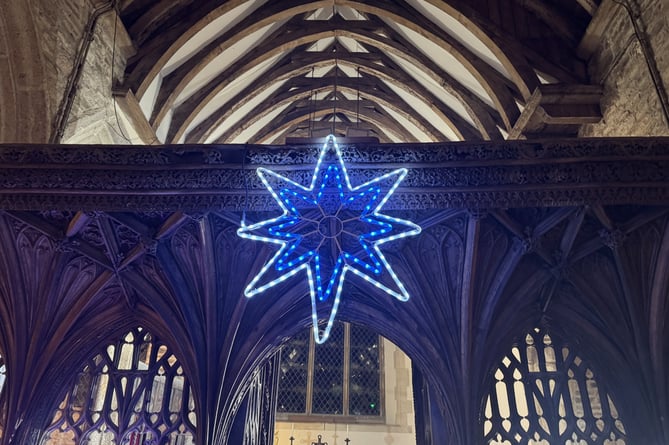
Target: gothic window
340,377
133,393
546,394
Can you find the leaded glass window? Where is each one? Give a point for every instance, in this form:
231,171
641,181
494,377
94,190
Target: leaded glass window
546,394
339,377
133,393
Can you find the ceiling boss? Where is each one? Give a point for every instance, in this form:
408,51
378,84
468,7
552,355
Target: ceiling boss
327,229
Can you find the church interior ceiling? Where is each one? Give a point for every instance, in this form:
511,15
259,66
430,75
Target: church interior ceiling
400,71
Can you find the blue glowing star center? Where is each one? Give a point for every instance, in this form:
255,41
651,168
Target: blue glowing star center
329,229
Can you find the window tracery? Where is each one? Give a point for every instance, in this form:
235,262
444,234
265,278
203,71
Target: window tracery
133,393
546,394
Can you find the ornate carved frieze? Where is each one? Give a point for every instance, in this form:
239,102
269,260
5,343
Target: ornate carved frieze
453,175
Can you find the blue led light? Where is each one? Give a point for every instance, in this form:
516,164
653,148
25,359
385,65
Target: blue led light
328,229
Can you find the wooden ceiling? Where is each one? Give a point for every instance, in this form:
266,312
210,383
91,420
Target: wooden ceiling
215,71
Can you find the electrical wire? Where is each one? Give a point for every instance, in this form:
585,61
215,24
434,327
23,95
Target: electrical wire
113,81
334,99
357,102
649,57
311,105
246,185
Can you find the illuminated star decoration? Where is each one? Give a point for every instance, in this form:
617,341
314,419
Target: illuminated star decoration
328,229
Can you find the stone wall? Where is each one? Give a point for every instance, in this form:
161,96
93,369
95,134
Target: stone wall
25,92
40,46
60,24
631,106
94,118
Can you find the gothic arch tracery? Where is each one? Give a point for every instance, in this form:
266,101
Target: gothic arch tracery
544,393
134,391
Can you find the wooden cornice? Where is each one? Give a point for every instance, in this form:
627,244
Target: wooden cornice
559,173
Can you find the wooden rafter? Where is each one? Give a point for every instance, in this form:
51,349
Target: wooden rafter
513,54
554,18
286,38
155,50
175,83
302,88
321,108
374,64
589,5
156,47
485,117
506,107
303,130
497,87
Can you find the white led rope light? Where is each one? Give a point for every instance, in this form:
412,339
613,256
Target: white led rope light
328,242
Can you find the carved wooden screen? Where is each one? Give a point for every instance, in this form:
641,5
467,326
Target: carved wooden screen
133,393
545,394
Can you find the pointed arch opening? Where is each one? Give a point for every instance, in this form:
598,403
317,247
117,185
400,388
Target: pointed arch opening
357,385
544,393
133,392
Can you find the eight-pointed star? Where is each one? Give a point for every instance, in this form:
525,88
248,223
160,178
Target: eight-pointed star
328,229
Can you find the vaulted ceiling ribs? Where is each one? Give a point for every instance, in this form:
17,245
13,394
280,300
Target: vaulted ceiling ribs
257,71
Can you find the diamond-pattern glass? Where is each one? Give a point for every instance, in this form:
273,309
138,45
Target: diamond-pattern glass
293,375
364,377
350,347
328,389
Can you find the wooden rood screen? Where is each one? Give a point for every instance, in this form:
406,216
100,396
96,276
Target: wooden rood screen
568,235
